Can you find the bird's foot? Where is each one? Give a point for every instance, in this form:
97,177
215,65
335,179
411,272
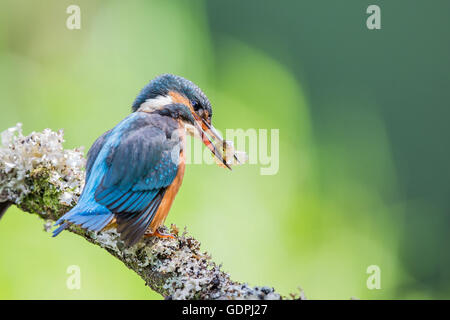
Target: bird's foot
159,234
110,225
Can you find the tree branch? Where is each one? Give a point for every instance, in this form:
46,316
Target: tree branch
39,176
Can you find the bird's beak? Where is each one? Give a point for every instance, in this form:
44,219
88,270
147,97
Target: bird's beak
218,138
207,132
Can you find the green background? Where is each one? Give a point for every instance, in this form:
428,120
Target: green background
363,119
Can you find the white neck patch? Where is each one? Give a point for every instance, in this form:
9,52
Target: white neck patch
153,104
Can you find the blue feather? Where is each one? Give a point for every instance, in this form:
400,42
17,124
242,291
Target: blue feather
128,171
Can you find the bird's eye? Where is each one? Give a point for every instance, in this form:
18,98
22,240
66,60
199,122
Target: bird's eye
195,104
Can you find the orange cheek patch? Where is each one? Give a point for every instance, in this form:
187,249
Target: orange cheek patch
178,98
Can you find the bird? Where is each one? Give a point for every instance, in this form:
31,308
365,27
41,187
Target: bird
134,170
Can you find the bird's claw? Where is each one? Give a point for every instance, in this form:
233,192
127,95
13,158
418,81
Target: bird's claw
160,235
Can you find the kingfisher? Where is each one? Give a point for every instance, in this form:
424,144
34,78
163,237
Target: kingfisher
134,170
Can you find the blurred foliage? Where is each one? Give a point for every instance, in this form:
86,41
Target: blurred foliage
343,98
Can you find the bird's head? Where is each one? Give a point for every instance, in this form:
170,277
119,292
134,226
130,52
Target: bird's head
180,98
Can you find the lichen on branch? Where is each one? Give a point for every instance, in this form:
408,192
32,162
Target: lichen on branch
41,177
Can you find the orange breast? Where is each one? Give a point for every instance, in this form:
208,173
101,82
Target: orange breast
171,191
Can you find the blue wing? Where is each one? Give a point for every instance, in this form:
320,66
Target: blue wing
140,168
94,151
88,215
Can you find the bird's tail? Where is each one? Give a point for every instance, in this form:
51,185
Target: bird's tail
60,229
93,218
3,207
